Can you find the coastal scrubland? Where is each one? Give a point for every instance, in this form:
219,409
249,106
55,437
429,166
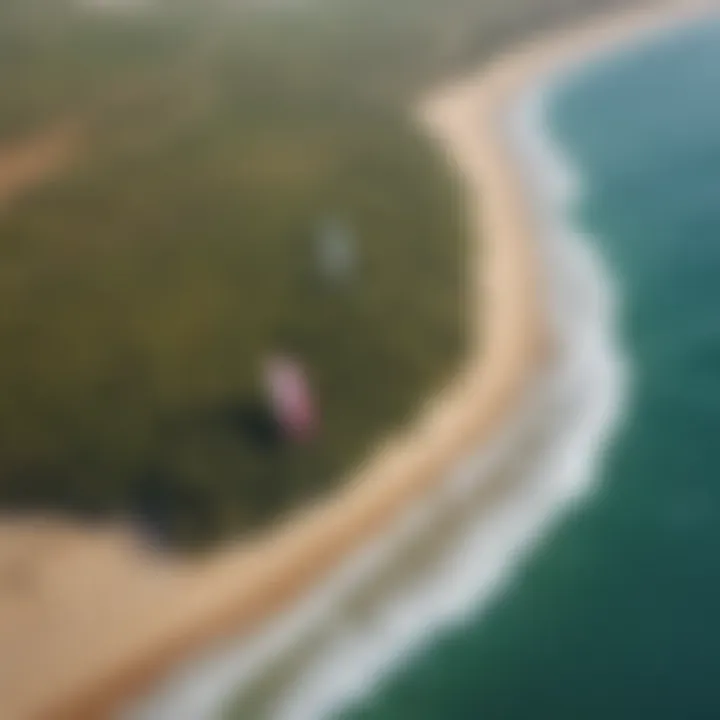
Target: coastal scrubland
142,285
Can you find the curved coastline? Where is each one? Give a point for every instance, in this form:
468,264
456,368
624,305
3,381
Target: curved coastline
241,587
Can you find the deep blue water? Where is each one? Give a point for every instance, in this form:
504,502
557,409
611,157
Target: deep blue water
618,613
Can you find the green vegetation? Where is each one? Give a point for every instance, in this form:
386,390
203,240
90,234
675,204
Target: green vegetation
141,290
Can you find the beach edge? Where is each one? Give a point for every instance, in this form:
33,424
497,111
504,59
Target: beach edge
504,311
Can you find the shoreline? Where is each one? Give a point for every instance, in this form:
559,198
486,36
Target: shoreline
586,391
217,598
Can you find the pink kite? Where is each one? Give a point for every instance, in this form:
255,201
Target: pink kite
290,398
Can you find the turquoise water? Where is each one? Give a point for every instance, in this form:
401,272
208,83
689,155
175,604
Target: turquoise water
618,613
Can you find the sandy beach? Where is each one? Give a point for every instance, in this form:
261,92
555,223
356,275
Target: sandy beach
96,620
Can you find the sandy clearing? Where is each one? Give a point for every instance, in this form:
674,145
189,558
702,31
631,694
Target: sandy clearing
33,160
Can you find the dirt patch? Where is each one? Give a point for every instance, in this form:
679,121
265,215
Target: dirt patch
36,159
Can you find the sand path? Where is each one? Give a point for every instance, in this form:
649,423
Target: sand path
36,159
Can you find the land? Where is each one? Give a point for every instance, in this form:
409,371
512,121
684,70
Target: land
83,640
149,270
165,168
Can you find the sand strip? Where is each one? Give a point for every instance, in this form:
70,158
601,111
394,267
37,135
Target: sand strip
36,159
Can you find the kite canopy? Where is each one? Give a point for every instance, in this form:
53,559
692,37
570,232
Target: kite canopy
336,250
290,398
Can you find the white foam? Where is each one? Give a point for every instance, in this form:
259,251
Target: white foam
580,395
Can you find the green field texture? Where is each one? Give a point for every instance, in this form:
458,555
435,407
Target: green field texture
141,288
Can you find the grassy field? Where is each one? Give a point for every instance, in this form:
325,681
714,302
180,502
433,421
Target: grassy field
140,290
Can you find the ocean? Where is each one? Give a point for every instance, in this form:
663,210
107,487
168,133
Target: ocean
570,572
617,612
